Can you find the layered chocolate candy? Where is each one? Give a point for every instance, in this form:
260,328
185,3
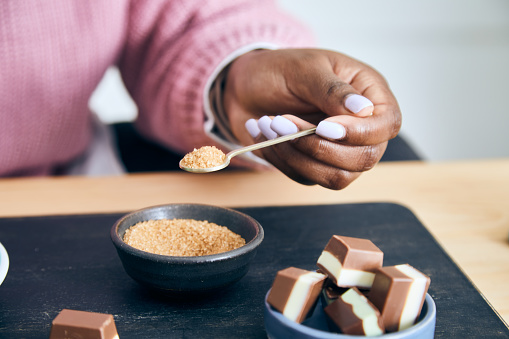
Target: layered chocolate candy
359,295
399,293
354,314
80,324
350,261
331,292
295,291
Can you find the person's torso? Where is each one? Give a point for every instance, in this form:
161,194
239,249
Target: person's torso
52,56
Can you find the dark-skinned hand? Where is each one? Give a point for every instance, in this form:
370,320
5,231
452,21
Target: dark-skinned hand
275,92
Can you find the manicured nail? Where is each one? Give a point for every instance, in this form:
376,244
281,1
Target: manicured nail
252,128
330,130
264,125
356,103
283,126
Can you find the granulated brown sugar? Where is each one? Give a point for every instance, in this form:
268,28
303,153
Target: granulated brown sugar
182,237
204,157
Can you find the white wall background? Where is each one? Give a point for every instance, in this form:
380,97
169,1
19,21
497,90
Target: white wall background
447,62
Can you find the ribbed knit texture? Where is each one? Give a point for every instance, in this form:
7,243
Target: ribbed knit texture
54,53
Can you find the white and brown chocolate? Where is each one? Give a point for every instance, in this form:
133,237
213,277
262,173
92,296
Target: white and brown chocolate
399,293
359,295
354,314
295,291
350,261
81,324
331,292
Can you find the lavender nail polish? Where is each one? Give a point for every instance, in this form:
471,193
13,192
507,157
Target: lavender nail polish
330,130
356,103
252,128
264,125
283,126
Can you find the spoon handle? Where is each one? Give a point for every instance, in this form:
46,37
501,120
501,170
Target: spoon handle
270,142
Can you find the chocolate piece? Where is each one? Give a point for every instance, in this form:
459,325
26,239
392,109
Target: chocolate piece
354,314
295,291
330,292
80,324
399,292
350,261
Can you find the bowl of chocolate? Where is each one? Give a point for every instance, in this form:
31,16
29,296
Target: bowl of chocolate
351,294
186,249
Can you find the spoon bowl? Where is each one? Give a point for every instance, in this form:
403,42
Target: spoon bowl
249,148
208,169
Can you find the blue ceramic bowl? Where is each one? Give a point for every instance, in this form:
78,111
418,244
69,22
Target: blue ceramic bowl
174,275
315,327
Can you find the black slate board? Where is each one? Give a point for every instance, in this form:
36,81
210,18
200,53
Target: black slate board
69,262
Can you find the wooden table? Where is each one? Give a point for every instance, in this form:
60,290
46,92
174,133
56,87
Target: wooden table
465,205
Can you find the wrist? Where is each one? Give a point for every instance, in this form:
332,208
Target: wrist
239,98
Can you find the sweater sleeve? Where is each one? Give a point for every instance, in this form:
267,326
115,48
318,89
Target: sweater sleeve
174,47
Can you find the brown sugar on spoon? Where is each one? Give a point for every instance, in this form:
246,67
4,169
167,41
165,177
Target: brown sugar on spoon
204,157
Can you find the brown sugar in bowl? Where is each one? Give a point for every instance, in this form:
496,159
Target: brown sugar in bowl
182,237
181,275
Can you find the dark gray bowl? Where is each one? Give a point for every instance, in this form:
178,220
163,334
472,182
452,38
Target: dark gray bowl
174,275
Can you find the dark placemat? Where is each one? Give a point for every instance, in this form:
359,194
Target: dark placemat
69,262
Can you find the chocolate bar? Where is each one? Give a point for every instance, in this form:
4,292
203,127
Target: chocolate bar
80,324
354,314
399,292
295,291
350,261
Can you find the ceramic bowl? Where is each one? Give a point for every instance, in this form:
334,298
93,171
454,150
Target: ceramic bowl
4,263
315,327
185,275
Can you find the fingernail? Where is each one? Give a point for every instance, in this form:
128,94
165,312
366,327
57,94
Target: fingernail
356,103
330,130
283,126
264,125
252,128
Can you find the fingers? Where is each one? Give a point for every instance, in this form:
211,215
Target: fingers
268,153
380,127
350,103
303,168
312,159
264,125
356,158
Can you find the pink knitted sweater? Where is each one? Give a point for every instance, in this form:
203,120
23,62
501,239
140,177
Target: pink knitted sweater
54,53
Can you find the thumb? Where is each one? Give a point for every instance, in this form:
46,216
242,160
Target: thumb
332,96
358,104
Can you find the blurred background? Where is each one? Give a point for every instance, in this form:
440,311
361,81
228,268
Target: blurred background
447,62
